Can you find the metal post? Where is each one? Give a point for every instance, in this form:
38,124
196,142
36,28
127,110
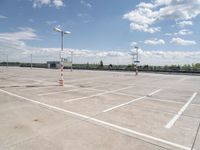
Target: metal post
136,67
71,61
61,63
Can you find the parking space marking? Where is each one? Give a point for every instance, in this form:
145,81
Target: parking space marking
134,100
51,93
154,92
165,100
99,94
76,89
85,79
122,130
176,117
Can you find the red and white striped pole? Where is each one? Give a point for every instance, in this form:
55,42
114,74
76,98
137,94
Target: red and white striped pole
61,81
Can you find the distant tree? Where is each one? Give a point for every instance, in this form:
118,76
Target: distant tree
87,65
101,64
110,66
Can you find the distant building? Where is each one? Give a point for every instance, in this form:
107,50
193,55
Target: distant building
56,64
53,64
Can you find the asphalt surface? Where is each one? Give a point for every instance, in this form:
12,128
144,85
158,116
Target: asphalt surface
98,110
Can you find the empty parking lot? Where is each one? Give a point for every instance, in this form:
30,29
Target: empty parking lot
98,110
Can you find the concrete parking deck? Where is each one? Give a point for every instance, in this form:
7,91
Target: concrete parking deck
98,110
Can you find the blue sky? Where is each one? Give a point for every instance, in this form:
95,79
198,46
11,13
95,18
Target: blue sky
166,31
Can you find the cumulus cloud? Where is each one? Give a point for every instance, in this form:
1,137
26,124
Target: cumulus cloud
22,35
179,41
55,3
84,3
134,44
169,57
3,17
58,3
14,44
21,52
18,37
144,28
182,24
155,42
183,32
146,15
168,34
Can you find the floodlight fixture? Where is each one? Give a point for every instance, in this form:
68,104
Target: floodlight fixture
66,32
57,29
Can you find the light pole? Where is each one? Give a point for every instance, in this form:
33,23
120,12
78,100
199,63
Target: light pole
61,81
71,61
136,61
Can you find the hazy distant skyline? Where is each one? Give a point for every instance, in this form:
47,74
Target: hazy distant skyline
166,31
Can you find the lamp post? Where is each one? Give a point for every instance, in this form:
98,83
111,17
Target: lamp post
61,81
71,61
136,61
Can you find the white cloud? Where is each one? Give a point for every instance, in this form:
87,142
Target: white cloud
183,42
58,3
55,3
144,28
17,39
145,5
182,24
22,35
19,51
86,18
148,14
168,57
14,44
3,17
134,44
86,4
155,42
51,22
183,32
168,34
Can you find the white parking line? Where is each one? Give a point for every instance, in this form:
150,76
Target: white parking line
134,100
154,92
152,98
75,99
77,89
175,118
164,100
104,124
50,93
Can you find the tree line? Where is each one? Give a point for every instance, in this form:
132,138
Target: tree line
191,68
